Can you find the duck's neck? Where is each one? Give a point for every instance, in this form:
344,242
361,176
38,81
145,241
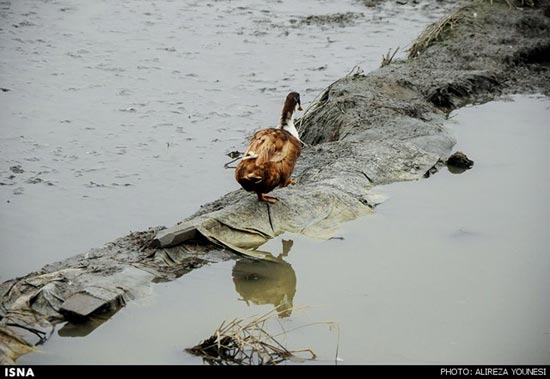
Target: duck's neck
287,123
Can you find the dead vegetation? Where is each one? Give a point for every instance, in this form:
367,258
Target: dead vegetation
434,31
388,58
247,342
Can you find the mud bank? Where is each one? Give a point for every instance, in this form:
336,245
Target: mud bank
363,131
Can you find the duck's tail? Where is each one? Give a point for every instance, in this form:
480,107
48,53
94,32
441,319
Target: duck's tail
249,176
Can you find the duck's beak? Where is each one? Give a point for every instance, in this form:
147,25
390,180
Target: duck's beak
300,107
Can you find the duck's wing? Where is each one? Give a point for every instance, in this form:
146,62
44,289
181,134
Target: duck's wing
270,145
259,146
284,149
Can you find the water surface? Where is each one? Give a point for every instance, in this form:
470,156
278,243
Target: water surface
450,270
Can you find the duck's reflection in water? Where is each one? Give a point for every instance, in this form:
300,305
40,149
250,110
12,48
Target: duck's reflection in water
263,282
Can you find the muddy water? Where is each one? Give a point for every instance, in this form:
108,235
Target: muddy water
452,269
117,115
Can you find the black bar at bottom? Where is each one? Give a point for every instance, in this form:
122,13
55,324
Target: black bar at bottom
426,371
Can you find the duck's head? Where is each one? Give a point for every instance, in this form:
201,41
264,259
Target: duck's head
292,102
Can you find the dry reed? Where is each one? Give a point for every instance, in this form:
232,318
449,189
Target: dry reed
246,342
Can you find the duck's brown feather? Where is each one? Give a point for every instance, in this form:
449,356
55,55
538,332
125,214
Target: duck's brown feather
268,161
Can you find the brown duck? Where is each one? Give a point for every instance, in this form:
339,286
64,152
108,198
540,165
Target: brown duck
269,160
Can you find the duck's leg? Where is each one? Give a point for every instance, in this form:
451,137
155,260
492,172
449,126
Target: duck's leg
266,198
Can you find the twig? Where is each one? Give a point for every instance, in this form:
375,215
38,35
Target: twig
269,217
387,59
236,159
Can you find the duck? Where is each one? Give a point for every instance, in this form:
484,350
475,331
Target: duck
269,160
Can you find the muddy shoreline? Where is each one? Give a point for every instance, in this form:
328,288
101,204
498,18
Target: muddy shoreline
365,130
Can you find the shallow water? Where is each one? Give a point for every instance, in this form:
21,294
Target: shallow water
452,269
117,115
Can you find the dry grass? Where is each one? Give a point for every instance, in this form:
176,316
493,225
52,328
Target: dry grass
246,342
388,58
434,31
